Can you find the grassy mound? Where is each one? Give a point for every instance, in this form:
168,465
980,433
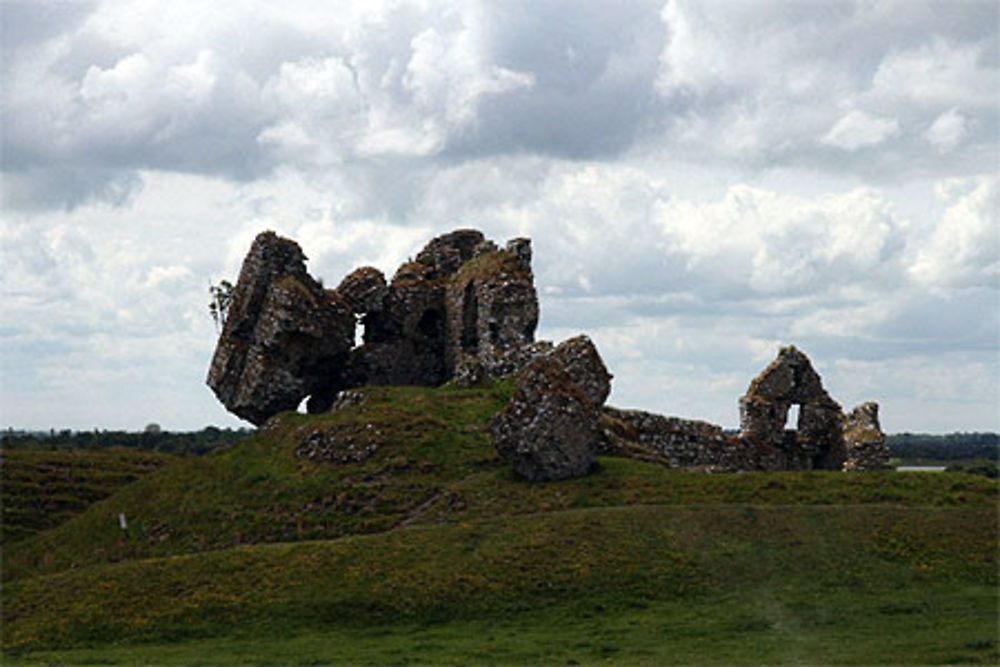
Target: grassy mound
608,557
259,491
428,460
404,525
43,488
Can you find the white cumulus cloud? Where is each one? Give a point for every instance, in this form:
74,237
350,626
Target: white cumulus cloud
859,130
947,131
964,249
775,243
940,73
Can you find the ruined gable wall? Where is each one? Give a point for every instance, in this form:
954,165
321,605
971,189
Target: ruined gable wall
790,379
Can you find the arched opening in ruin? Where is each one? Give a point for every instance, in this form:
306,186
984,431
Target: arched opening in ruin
792,421
470,319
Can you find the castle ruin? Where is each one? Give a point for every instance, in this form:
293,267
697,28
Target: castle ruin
465,310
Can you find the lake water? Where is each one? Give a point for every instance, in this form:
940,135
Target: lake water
920,468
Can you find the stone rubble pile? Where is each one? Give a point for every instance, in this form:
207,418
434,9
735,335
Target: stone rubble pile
340,443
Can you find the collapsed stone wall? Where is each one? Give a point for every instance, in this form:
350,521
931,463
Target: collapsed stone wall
284,337
550,429
864,440
683,443
824,438
462,300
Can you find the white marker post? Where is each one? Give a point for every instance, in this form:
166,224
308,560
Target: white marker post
121,521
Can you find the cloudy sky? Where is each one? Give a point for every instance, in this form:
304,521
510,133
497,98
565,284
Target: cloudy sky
703,182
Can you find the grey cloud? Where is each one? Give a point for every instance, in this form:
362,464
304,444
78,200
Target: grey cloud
594,66
765,81
61,149
753,84
591,95
926,321
659,222
26,22
37,188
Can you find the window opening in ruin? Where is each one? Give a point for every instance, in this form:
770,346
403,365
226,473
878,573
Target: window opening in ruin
470,317
792,423
359,331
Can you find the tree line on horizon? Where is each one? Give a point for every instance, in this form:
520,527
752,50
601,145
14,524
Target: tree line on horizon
948,447
152,438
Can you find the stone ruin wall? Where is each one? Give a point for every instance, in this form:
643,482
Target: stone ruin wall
817,441
492,311
824,438
285,338
864,440
465,310
683,443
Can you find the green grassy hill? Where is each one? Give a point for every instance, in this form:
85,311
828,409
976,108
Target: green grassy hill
42,488
430,550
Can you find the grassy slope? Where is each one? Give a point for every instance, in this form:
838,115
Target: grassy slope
438,539
931,625
260,492
43,488
803,572
434,463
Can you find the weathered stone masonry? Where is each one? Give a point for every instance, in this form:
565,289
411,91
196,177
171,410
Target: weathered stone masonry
284,337
817,441
550,429
461,301
466,310
823,439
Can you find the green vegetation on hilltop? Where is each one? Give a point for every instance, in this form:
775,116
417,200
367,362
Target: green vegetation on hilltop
432,463
261,492
256,553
